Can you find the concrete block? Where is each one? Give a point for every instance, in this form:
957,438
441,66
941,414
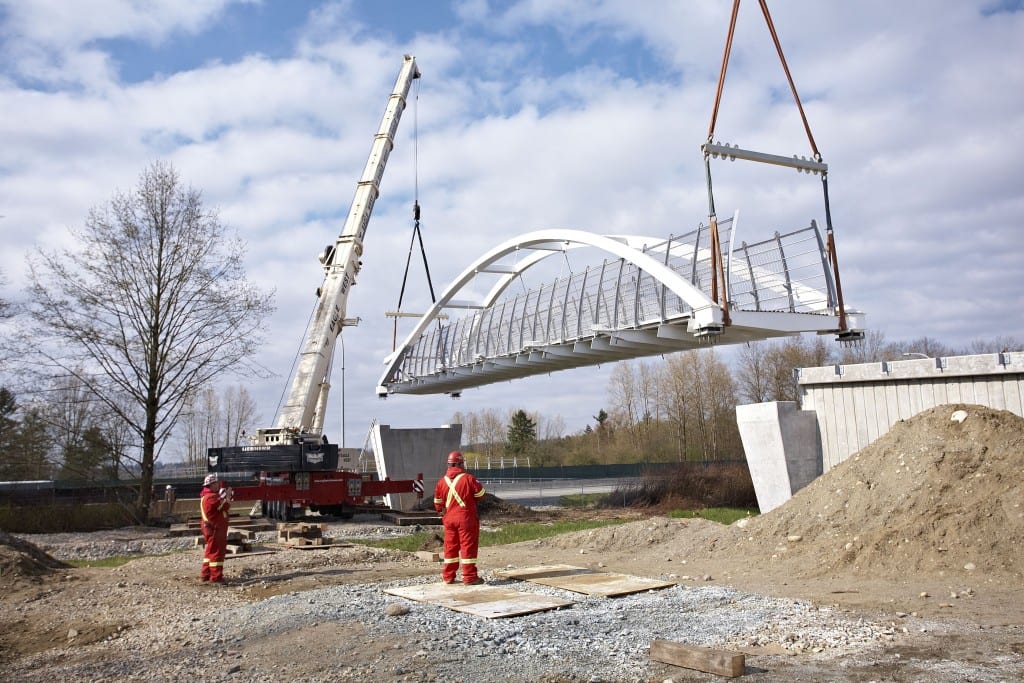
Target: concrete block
404,453
782,448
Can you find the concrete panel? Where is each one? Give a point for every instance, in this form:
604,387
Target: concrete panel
781,444
847,401
406,453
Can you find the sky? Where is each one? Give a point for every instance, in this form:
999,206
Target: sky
530,114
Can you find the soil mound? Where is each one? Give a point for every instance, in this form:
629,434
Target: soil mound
21,559
941,491
933,495
492,506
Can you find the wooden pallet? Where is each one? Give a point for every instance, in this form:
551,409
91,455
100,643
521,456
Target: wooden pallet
301,534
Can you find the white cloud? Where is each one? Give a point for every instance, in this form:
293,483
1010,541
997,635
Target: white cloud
919,116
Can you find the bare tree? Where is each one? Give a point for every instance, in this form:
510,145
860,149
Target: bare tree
995,345
752,373
154,305
492,431
7,311
873,348
625,397
240,412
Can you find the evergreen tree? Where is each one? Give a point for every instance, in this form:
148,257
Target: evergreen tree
522,434
26,459
8,433
88,458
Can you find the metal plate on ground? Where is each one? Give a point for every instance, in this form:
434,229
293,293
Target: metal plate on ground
583,580
491,602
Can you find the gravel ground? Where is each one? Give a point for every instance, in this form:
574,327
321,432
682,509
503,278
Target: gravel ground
357,632
595,640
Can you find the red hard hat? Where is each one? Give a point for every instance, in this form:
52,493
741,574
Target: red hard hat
455,458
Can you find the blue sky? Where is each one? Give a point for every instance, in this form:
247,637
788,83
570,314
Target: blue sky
530,115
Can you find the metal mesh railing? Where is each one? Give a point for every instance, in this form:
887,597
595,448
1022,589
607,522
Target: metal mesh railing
787,273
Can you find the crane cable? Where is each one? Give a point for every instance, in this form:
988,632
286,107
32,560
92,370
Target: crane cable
417,235
716,264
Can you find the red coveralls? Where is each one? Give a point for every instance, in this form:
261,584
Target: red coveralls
215,531
456,494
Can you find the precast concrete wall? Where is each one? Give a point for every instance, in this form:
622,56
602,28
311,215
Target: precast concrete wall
407,453
856,404
853,405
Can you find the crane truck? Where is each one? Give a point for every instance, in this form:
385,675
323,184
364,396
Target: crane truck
297,468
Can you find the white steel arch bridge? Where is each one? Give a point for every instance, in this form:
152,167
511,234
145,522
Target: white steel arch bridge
648,296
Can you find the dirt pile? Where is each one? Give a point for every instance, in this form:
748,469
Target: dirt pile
941,491
932,496
22,560
492,506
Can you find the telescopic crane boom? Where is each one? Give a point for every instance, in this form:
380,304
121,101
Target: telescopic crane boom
302,416
294,466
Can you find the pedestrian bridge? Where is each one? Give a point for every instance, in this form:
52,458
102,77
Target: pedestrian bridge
638,296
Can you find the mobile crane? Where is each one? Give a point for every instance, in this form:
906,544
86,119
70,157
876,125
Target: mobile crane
297,467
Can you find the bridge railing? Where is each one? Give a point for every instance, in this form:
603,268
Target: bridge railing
786,273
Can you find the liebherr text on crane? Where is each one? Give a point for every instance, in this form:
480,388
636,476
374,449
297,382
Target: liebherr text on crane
297,468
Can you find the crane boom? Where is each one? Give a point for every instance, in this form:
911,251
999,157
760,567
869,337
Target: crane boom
302,416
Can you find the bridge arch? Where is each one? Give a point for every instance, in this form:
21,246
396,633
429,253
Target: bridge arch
545,243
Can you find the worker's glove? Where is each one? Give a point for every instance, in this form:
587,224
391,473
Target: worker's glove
226,494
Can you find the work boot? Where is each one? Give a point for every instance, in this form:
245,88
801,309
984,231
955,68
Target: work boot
475,582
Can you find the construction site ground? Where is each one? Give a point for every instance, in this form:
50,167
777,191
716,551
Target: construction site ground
921,533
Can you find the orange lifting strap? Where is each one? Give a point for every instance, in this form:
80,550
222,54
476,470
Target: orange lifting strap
810,166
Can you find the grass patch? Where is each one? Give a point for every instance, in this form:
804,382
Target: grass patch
510,533
581,500
720,515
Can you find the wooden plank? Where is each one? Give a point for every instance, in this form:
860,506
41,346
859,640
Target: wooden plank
410,518
262,551
490,602
428,556
721,662
241,533
584,580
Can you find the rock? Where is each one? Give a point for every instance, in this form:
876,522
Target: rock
396,610
958,416
970,566
794,538
72,633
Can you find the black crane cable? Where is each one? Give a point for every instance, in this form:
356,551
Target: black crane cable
417,235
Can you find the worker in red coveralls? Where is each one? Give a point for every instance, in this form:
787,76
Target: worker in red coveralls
456,495
214,503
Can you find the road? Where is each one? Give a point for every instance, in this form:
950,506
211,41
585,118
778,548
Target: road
547,492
